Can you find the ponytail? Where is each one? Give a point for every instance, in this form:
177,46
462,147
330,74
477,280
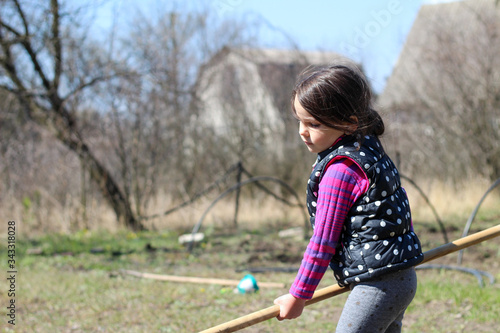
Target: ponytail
375,123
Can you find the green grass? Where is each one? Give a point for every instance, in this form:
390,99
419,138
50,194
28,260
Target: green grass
74,284
99,241
449,301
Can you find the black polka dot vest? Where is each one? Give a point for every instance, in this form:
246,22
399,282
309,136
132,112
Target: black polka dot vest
377,236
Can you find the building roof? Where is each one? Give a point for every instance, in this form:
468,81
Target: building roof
280,56
455,22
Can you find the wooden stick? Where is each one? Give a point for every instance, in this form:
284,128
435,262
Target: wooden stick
200,280
334,290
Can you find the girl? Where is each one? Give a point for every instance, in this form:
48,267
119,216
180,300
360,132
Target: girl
358,210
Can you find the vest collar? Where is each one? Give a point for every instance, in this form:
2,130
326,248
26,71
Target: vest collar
336,144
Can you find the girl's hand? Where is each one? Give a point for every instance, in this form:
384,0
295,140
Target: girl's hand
290,306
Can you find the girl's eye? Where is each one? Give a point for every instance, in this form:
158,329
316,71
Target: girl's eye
309,124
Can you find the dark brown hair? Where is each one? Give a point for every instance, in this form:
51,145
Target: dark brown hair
338,96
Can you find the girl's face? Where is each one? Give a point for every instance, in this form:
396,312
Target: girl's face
317,136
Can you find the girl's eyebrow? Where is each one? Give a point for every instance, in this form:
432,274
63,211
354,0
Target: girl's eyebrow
310,119
307,117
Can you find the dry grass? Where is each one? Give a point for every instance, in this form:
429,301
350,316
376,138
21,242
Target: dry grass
44,219
453,205
251,212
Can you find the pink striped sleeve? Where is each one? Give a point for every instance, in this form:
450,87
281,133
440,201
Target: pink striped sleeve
342,184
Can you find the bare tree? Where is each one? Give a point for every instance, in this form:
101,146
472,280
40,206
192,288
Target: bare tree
124,110
151,116
36,39
448,89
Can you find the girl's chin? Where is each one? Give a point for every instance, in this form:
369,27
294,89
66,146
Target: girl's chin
311,149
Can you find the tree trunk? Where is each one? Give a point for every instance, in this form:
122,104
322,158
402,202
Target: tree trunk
69,135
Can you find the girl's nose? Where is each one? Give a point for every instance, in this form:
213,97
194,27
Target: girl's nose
303,130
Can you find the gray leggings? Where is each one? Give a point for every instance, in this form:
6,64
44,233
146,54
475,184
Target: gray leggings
378,305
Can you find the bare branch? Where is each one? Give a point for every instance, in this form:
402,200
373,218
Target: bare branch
56,40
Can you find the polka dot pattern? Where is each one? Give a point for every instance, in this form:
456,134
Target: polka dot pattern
376,236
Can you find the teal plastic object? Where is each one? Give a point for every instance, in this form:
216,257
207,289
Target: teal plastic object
248,285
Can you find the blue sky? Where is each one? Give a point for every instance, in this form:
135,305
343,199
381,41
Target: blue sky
370,32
